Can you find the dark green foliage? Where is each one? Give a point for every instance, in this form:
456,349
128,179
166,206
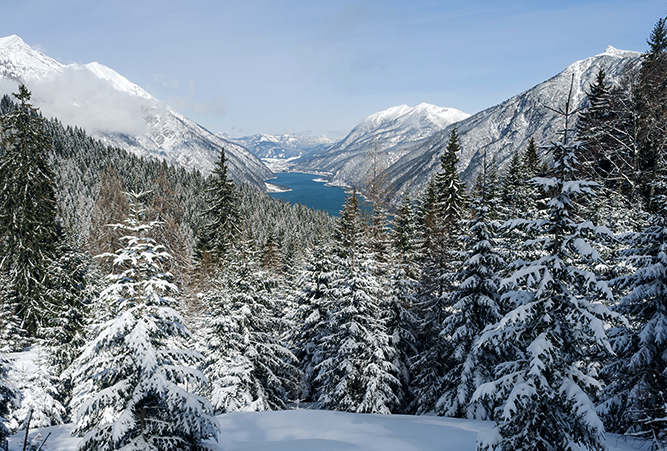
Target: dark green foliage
532,162
221,217
443,207
657,41
635,398
74,285
29,233
475,305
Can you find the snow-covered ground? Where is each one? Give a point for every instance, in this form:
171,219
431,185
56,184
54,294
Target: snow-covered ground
305,430
273,188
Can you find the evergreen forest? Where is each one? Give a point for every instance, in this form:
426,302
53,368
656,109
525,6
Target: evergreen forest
158,298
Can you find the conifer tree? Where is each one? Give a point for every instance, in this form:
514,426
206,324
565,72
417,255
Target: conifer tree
531,159
312,313
28,230
557,321
657,41
10,399
74,286
398,306
519,198
221,217
475,305
356,372
635,399
133,380
40,396
247,365
442,211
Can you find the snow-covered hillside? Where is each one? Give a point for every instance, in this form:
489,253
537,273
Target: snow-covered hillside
499,130
282,146
309,430
393,131
504,128
119,112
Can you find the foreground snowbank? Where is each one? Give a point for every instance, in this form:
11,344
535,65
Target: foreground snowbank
305,430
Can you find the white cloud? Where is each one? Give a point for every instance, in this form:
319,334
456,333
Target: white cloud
78,97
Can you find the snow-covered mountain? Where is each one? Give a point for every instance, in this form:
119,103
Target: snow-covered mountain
498,130
504,128
393,131
120,113
282,146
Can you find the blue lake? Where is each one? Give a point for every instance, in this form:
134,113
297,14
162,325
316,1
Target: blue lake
307,192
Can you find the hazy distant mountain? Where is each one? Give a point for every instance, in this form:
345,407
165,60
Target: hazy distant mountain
499,130
282,146
393,131
119,112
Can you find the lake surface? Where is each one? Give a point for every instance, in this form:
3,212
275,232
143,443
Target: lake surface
308,192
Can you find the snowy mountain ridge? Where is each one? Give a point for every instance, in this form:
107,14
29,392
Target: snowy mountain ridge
283,146
498,131
120,113
392,131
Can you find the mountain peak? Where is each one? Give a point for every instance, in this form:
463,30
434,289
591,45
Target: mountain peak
19,60
420,116
613,51
12,41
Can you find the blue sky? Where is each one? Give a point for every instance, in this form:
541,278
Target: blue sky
321,66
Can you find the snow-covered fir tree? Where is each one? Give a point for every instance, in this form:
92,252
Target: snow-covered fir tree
635,400
133,381
475,305
443,208
398,306
27,214
248,367
40,397
10,399
520,199
557,322
221,216
74,285
357,371
13,337
311,314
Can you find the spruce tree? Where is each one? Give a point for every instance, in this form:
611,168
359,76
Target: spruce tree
356,372
635,399
221,216
475,305
133,380
442,210
657,41
10,399
556,324
312,313
399,305
520,200
531,159
28,230
248,367
40,394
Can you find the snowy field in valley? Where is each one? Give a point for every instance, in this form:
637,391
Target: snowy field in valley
319,430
